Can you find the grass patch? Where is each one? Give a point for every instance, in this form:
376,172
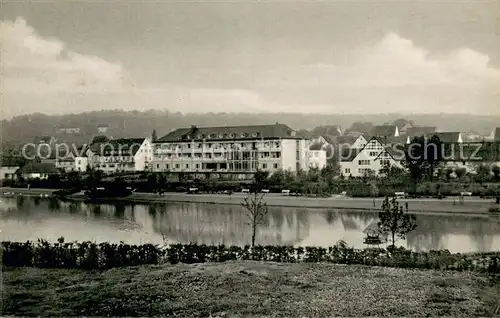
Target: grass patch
247,288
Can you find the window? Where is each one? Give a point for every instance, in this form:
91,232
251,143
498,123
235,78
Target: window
275,166
373,153
167,166
158,166
197,166
347,171
264,166
177,166
363,162
187,165
384,162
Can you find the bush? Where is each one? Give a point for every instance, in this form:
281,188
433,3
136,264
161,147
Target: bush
88,255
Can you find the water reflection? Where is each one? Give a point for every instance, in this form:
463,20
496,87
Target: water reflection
25,218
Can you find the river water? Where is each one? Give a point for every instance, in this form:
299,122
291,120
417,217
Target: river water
30,218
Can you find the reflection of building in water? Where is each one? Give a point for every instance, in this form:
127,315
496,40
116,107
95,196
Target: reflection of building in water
454,232
228,225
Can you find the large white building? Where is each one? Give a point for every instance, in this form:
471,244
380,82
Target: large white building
235,149
125,154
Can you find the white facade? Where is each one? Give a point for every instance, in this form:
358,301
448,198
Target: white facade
372,157
67,164
119,155
359,143
81,163
8,172
231,155
144,156
316,159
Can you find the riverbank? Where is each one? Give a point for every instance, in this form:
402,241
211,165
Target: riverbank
470,205
249,289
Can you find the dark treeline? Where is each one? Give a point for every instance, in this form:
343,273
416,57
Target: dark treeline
88,255
140,124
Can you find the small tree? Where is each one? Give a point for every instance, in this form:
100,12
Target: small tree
394,221
256,210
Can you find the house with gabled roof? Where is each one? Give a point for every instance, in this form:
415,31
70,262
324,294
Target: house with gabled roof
449,137
418,131
376,153
38,171
240,150
123,154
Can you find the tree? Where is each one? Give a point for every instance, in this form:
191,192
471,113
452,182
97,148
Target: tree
496,172
364,128
260,178
394,221
422,157
256,210
483,173
460,172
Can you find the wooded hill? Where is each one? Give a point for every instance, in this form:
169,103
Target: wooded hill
141,123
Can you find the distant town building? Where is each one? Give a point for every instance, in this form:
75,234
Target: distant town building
124,154
68,130
385,131
8,172
102,129
239,150
38,171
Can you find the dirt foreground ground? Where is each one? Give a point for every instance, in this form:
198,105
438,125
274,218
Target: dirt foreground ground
248,288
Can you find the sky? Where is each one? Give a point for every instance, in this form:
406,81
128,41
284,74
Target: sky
248,56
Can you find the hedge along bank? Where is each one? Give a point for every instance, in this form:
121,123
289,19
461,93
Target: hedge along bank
89,255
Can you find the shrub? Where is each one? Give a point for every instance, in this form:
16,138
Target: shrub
88,255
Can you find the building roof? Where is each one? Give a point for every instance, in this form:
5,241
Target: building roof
349,154
232,133
43,139
121,146
496,134
47,168
384,130
420,131
11,161
447,136
346,140
316,146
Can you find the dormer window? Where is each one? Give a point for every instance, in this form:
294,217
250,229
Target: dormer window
255,134
231,135
292,133
212,135
221,135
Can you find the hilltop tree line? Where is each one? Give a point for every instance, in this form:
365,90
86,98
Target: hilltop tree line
25,128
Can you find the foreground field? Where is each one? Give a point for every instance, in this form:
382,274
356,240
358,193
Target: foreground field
247,288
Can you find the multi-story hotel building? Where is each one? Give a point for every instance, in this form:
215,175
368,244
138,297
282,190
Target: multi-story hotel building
237,149
125,154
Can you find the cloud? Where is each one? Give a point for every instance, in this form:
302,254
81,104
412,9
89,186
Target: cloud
394,75
44,65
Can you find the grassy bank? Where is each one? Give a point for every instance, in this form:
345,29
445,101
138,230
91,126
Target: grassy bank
470,205
247,288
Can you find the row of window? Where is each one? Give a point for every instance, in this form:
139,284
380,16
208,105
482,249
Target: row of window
222,166
247,145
